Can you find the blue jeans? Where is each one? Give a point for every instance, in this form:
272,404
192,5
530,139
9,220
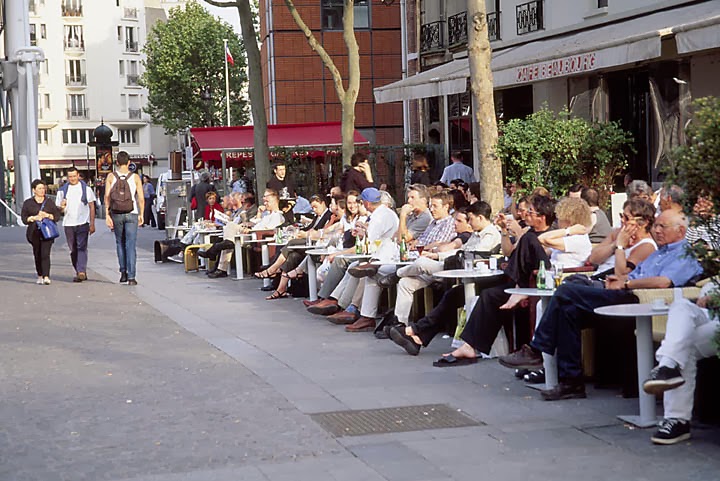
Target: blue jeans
126,227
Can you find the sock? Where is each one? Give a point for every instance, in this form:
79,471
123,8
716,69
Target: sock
667,362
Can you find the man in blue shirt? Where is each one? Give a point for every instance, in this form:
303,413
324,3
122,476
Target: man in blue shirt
457,170
572,307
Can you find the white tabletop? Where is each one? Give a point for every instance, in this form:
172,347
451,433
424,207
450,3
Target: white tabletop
319,252
355,256
259,241
210,231
631,310
530,291
240,236
300,247
463,274
390,263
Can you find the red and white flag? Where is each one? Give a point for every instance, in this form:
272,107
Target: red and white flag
229,56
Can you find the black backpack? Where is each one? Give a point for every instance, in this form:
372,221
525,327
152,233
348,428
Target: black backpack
121,198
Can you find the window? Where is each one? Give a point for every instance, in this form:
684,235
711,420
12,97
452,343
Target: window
46,66
47,101
123,102
121,65
43,30
43,136
76,106
332,13
119,33
74,37
131,43
75,72
77,136
33,34
128,136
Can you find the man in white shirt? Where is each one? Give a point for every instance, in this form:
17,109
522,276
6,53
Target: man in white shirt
77,202
457,170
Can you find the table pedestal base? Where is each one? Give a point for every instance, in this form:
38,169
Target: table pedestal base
637,421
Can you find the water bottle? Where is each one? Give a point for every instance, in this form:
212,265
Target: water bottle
541,277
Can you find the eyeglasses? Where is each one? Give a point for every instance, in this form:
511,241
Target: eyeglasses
530,212
628,218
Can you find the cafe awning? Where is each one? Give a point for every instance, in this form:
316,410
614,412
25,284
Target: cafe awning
212,141
695,27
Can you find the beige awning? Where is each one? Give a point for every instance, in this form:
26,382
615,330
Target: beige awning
639,39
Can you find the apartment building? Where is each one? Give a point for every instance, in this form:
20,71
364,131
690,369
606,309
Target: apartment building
299,88
91,75
636,61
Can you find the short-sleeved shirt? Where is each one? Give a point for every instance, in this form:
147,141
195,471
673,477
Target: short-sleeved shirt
76,212
669,261
438,231
417,223
577,250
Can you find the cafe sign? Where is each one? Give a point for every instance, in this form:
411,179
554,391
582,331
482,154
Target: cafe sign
556,68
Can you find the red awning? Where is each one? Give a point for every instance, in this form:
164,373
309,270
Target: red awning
211,141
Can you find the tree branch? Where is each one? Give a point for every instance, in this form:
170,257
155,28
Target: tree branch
353,49
216,3
315,45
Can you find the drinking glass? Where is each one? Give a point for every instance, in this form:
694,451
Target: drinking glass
420,249
469,263
558,275
377,243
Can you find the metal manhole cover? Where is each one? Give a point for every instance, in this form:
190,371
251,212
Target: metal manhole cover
393,420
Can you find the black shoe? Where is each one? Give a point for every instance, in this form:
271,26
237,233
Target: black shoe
535,377
382,330
218,274
123,277
671,431
132,282
203,254
388,281
565,390
662,379
520,373
397,334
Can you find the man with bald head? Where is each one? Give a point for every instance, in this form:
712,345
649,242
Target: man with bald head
572,307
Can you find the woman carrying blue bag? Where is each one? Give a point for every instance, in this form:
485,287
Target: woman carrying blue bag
36,210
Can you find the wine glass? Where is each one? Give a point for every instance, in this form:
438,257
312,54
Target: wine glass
377,243
420,249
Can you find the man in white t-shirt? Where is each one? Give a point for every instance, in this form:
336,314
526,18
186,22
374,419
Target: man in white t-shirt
77,201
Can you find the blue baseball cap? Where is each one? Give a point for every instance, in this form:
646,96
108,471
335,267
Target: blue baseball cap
371,194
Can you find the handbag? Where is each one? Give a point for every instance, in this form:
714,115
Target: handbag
48,228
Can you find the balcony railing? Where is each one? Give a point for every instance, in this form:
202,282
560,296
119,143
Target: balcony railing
75,80
74,44
70,11
431,37
529,17
130,12
135,114
457,29
133,80
493,22
77,114
131,46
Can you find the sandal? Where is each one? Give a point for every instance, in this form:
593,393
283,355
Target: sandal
296,276
276,295
266,274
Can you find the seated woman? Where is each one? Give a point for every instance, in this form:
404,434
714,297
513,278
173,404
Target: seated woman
628,245
212,206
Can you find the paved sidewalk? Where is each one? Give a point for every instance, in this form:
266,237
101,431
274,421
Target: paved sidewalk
185,378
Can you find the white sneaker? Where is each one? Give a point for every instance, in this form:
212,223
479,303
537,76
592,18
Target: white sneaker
39,281
46,281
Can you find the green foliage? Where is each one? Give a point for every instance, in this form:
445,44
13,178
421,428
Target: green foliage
556,151
697,167
185,57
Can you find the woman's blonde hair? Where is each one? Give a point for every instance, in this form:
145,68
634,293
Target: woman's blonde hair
575,211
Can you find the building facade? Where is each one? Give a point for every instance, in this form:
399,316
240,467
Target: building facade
300,89
91,74
639,62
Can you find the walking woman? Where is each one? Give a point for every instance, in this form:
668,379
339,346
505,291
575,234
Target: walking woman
36,208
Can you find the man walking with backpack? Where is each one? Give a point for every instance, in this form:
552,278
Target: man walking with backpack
77,201
124,205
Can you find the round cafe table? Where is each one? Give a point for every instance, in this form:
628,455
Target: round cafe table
312,253
549,361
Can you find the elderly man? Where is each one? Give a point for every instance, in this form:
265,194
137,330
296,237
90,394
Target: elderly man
572,307
688,337
441,230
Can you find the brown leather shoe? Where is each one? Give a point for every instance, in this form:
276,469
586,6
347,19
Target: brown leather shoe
363,324
308,302
523,358
325,307
363,270
343,317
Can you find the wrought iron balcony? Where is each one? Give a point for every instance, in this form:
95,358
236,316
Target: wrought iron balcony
130,12
431,37
75,80
135,114
457,29
77,114
74,44
529,17
71,11
493,22
133,80
131,46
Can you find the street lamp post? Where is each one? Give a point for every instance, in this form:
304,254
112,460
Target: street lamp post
206,97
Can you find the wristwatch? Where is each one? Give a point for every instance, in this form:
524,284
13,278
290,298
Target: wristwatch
625,285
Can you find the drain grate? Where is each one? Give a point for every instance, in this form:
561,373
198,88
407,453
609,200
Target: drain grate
393,420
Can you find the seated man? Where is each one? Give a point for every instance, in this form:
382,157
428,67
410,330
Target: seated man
572,307
688,337
523,260
485,237
441,229
601,226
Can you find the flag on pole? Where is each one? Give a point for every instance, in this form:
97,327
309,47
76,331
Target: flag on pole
229,56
